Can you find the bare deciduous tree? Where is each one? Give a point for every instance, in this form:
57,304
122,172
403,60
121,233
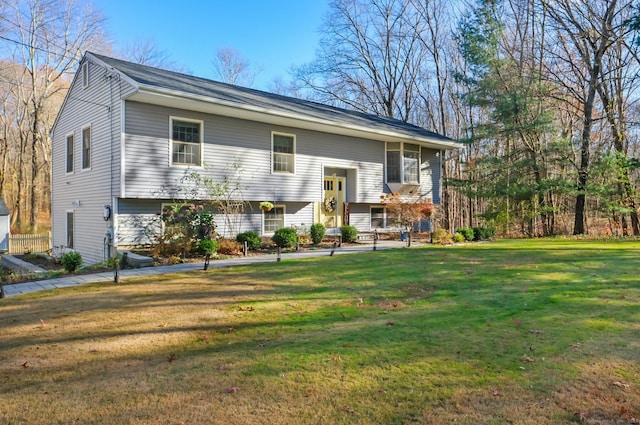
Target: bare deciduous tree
45,39
232,68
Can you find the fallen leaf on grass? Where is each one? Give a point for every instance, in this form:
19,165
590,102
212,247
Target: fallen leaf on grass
232,390
496,392
576,345
581,416
620,384
526,358
43,323
390,323
535,331
240,308
348,409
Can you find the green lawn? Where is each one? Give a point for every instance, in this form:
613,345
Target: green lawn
513,331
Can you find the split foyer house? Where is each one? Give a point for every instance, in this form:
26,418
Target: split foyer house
128,134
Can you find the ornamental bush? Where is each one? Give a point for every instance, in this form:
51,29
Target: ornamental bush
251,238
349,233
207,247
467,232
442,237
458,237
71,261
317,233
285,237
483,233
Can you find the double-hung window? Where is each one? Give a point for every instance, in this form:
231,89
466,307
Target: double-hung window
86,148
186,142
283,151
274,219
403,163
70,153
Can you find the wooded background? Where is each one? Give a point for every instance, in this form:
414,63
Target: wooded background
543,93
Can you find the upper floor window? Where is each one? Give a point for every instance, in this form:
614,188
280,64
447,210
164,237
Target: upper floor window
70,153
85,74
86,148
283,150
403,163
186,142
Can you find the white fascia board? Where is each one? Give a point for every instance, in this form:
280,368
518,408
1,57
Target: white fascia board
209,105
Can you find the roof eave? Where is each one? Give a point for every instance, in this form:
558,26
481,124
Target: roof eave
207,104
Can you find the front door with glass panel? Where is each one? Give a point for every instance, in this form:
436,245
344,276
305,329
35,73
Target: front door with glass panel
332,208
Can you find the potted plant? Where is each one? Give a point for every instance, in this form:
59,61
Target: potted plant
266,206
427,210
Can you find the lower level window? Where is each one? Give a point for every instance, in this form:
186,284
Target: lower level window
274,219
382,218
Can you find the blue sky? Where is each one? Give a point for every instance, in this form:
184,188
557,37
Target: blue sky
274,34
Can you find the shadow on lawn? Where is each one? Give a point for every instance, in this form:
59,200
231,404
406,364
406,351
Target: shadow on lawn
469,289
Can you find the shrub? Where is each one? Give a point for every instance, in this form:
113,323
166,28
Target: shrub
317,233
483,233
458,237
442,237
285,237
467,232
71,261
207,246
349,233
229,247
251,238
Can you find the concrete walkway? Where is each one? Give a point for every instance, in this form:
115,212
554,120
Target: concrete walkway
66,281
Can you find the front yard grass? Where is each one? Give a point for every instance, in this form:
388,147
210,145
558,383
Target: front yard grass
519,332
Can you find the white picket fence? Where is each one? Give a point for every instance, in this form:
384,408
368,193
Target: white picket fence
21,244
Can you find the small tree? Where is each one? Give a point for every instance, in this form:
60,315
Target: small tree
410,208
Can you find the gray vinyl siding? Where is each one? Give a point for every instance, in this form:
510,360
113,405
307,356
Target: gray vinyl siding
139,222
85,192
431,174
230,140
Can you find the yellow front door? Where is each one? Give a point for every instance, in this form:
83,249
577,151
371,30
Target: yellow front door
332,206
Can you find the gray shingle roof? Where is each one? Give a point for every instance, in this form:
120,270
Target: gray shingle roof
164,80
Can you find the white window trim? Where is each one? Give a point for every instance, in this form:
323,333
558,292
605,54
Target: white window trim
401,150
284,218
66,153
201,122
82,167
85,75
293,136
